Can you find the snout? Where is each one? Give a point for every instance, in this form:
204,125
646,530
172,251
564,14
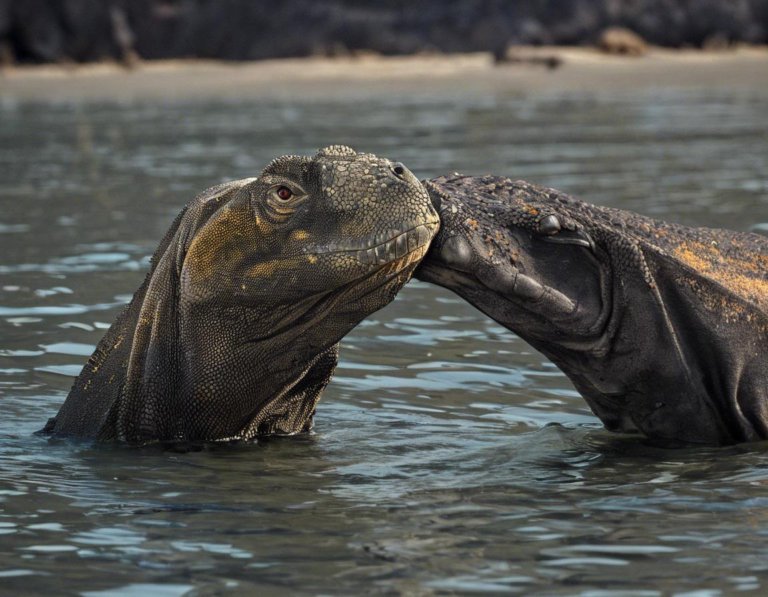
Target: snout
381,212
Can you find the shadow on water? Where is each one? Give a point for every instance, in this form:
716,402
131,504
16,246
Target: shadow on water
448,457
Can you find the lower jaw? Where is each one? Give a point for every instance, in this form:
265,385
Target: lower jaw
391,277
408,259
399,247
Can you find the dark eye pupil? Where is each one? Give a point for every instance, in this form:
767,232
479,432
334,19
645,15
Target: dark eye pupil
284,193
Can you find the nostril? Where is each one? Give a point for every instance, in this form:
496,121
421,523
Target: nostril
398,169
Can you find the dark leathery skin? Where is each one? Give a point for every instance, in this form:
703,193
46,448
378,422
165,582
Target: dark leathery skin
234,333
662,328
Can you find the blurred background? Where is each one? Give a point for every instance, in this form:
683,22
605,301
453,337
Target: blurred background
89,30
449,458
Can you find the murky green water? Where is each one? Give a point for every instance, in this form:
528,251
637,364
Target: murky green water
448,458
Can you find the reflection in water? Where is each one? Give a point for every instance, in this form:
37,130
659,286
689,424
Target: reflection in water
448,457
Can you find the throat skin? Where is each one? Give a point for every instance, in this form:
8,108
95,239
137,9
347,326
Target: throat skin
257,371
177,368
674,342
228,386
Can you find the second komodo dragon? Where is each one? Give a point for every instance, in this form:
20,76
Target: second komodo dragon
662,328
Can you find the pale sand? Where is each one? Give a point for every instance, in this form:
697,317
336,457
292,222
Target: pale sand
582,69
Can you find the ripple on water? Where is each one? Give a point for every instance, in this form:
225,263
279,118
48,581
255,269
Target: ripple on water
142,590
448,456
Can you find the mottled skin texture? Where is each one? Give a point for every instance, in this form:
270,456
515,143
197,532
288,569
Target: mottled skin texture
234,333
662,328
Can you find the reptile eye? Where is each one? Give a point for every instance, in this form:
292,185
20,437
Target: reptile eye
284,193
398,169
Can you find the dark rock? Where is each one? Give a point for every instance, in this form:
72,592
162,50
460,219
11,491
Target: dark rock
5,18
717,42
88,30
7,57
36,31
619,40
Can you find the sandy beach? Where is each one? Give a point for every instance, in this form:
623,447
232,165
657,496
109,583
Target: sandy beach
580,69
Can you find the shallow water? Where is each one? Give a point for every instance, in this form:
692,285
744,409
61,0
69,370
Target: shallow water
449,457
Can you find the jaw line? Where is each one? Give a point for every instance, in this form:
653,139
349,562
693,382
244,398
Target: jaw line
367,249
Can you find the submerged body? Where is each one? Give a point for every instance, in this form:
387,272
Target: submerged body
234,333
663,329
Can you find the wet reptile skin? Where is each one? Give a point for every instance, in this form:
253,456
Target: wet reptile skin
662,328
234,333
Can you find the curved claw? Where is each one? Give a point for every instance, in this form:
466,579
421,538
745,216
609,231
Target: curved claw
572,237
457,254
509,281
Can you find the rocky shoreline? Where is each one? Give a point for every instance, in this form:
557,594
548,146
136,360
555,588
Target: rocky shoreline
83,31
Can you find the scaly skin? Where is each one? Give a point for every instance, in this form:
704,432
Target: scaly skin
662,328
234,333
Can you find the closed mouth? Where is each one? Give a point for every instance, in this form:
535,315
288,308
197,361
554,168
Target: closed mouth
382,247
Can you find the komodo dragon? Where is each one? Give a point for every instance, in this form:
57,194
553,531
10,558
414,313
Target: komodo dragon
235,331
662,328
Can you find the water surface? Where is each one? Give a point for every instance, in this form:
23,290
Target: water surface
449,457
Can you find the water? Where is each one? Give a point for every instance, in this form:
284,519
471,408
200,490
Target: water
449,457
